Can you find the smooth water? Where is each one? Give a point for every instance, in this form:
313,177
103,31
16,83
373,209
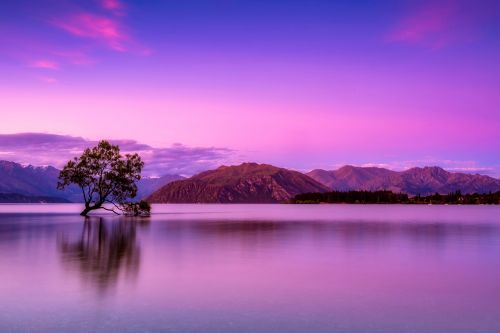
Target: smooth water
251,268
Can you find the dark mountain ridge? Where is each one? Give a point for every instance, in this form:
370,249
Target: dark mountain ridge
250,182
33,181
147,185
20,198
38,184
414,181
245,183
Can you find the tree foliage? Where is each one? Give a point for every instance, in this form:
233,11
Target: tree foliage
388,197
141,208
352,197
104,176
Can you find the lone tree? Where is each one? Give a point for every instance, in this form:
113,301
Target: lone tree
104,176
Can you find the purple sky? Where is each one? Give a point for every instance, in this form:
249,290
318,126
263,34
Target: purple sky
299,84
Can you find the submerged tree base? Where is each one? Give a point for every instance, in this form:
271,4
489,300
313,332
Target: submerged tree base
141,208
88,209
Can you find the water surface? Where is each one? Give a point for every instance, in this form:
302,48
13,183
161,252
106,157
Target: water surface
251,268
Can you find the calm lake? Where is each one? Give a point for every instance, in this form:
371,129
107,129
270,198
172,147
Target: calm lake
251,268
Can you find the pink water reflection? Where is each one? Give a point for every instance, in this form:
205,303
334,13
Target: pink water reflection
206,268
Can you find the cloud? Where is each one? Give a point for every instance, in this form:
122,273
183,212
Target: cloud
48,79
440,23
114,6
427,26
55,150
97,27
74,57
51,149
44,64
92,26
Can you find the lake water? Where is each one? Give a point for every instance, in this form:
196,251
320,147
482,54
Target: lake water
251,268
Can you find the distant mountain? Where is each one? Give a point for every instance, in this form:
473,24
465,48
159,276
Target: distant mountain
30,181
146,186
248,182
245,183
19,198
34,181
424,181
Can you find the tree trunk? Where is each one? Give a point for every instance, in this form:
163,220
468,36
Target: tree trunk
88,209
85,211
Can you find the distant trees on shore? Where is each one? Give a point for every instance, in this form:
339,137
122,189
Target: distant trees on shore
388,197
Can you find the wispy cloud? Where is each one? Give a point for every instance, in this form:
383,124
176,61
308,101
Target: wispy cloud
44,64
101,28
74,57
48,79
440,23
80,33
428,26
114,6
55,150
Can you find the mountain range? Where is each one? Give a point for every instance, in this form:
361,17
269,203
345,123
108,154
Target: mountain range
30,181
146,186
414,181
248,183
245,183
20,183
20,198
262,183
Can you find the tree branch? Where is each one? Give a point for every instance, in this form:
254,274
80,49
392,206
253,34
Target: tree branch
84,196
111,202
111,210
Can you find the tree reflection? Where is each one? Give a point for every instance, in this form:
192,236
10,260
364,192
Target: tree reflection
105,252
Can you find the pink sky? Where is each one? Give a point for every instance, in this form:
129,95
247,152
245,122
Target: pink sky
300,90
